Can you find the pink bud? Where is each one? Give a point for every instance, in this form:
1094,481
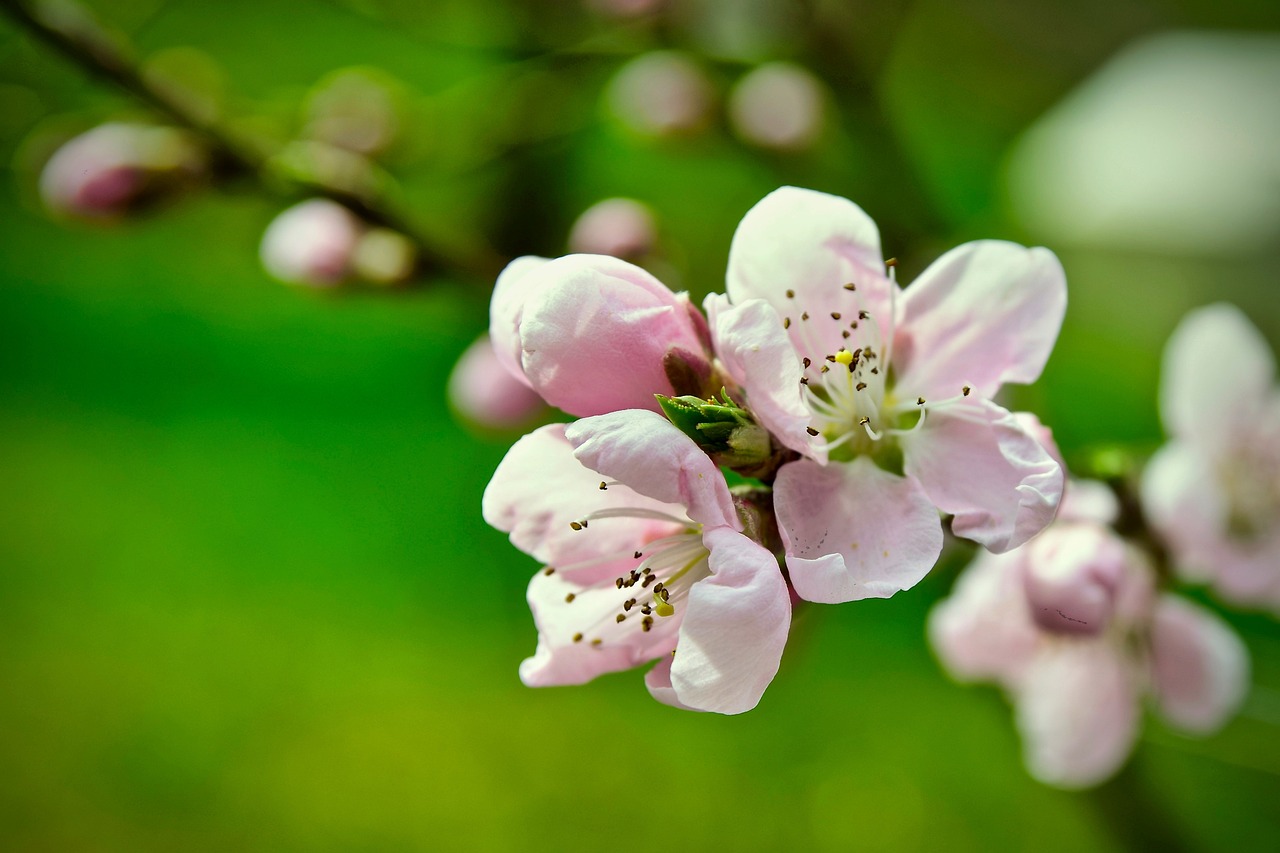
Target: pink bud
484,392
311,243
103,172
1072,576
778,105
616,226
660,94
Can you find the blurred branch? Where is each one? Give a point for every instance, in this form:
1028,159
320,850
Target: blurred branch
71,30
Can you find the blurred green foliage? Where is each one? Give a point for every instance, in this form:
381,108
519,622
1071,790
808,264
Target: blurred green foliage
246,597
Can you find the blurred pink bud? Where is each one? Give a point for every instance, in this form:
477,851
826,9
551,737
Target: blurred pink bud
616,226
778,105
311,243
103,172
354,109
661,93
1072,576
383,256
485,392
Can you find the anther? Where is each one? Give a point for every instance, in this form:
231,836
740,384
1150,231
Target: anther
860,386
831,358
965,390
791,294
786,322
618,583
807,362
919,401
845,334
577,638
647,571
835,315
804,380
863,315
646,609
549,571
568,599
812,431
864,420
850,286
628,604
804,316
597,641
622,617
891,263
824,369
646,624
576,525
637,555
875,370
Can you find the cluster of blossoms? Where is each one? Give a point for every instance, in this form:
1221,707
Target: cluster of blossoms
851,414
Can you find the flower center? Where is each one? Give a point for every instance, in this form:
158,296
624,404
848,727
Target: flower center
1251,481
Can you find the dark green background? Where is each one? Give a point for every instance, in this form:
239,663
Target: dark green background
246,597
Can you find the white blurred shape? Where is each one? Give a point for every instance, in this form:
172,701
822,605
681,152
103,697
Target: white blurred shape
311,243
778,105
1170,147
661,93
485,393
621,227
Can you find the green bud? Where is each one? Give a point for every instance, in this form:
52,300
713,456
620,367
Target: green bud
722,428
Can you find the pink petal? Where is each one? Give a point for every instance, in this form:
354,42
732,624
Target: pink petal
1182,501
486,393
854,531
595,331
1078,713
811,244
505,307
757,354
1200,669
735,627
653,457
983,314
983,631
592,614
658,680
1216,377
977,462
539,488
1087,501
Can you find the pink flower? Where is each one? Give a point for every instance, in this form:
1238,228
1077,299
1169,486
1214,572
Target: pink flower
312,243
104,172
1071,627
646,560
594,334
810,328
778,105
485,393
1213,492
621,227
661,93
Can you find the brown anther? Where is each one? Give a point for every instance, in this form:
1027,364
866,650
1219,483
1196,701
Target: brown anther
628,604
860,386
919,401
666,595
548,571
597,641
637,555
646,609
604,486
618,583
824,369
647,571
892,262
831,358
786,322
621,617
806,362
876,371
845,334
863,315
646,625
863,421
835,315
577,638
575,525
804,380
791,294
568,599
850,286
804,316
812,431
965,390
648,579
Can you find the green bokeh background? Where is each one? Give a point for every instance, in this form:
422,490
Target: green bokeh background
246,597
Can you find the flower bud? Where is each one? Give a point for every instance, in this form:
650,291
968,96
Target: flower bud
722,428
106,171
778,105
1072,577
661,94
616,226
485,392
311,243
